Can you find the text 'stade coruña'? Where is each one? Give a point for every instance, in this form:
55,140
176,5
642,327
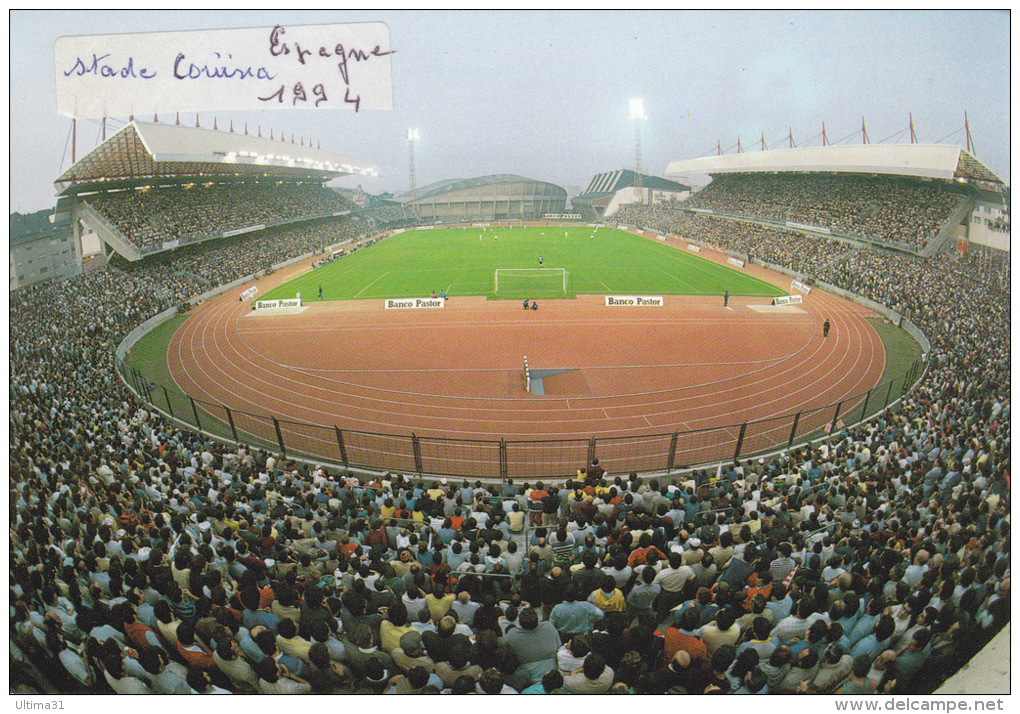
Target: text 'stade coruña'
298,66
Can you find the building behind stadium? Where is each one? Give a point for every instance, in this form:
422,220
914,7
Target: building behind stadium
486,198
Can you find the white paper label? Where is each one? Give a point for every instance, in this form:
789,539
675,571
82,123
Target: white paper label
301,67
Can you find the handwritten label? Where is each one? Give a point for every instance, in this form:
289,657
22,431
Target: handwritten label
280,67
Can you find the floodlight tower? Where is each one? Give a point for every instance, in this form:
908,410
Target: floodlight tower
412,136
637,114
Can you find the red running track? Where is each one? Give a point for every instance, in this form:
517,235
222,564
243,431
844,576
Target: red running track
456,372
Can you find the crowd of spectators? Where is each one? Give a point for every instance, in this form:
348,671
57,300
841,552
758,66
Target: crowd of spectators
392,216
326,260
148,558
899,282
195,211
897,210
999,225
777,246
195,269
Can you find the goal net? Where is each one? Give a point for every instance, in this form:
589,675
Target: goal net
530,283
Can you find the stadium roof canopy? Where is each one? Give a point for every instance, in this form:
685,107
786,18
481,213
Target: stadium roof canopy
608,183
451,185
147,151
914,160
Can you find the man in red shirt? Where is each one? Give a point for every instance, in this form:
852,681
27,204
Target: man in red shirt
193,652
456,520
588,509
535,503
347,546
682,639
137,633
377,536
640,554
251,561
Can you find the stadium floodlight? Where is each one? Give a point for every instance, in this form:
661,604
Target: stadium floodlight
637,113
637,109
412,136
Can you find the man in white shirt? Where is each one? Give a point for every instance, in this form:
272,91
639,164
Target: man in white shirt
73,663
672,579
917,569
274,680
235,667
465,608
594,677
571,656
113,671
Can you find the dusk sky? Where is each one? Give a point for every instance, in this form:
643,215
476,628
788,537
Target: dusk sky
545,94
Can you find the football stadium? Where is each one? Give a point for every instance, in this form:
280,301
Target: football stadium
752,437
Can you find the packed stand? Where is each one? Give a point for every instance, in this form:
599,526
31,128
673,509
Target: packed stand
145,558
908,212
185,213
777,246
195,269
392,216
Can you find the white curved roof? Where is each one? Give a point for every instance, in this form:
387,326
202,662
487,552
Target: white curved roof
939,161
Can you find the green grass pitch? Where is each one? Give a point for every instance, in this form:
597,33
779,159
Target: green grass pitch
463,262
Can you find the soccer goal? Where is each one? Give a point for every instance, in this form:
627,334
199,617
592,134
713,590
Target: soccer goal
531,283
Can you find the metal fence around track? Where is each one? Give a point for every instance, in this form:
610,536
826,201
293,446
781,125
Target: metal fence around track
517,459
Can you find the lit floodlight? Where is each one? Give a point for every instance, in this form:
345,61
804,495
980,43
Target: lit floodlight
412,135
637,109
